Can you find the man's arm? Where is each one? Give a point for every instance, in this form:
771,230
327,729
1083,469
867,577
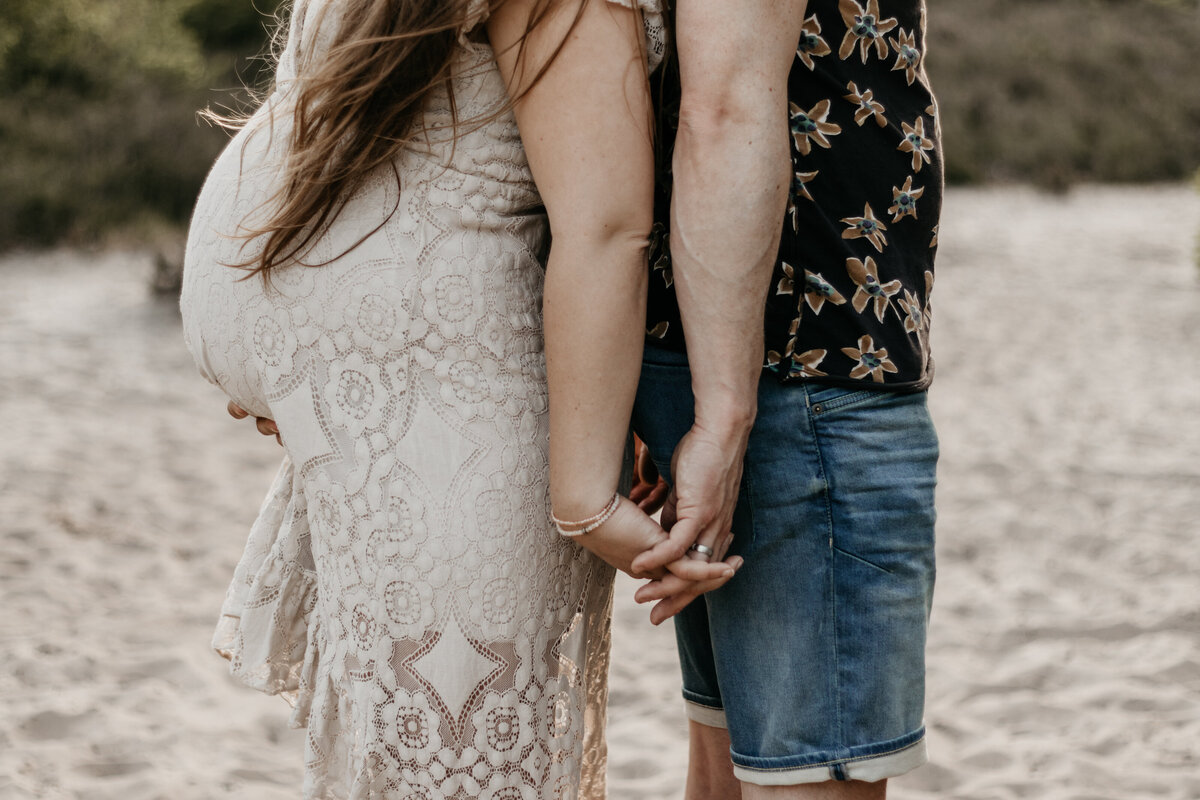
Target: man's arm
732,170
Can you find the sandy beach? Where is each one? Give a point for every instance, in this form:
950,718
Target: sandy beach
1064,655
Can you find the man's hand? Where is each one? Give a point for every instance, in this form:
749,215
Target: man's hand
699,510
707,468
266,426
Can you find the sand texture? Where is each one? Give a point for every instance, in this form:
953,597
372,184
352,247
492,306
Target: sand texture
1064,656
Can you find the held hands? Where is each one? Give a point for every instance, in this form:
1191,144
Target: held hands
629,532
707,467
649,489
629,537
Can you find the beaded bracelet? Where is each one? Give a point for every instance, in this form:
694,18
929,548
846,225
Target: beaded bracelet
580,527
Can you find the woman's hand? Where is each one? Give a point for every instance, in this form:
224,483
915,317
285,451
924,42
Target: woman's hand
673,593
266,427
649,489
630,532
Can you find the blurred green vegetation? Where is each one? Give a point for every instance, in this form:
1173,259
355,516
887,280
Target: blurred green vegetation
98,99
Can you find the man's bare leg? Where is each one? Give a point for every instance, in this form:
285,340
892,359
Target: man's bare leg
710,776
826,790
710,772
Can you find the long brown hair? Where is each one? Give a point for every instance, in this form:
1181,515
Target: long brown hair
360,105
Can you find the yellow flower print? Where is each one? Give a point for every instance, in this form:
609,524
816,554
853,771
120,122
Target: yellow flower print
868,106
805,364
810,126
908,57
933,240
811,44
818,292
913,318
904,200
799,190
866,227
798,184
865,275
787,284
870,361
916,143
864,28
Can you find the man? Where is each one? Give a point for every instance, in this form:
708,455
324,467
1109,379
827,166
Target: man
804,676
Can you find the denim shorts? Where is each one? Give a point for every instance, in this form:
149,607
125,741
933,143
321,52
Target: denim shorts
813,656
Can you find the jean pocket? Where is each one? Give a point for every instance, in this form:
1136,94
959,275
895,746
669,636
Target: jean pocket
832,398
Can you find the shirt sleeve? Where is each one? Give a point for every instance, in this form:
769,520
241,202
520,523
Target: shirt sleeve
652,23
477,14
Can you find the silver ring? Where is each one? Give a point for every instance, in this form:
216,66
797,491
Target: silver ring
702,549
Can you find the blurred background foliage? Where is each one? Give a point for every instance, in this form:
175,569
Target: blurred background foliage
98,99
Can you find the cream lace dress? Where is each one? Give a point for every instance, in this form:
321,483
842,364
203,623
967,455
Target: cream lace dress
402,583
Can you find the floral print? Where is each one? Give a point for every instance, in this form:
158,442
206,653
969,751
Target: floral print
867,227
864,28
865,154
866,276
913,318
904,200
786,284
805,364
908,57
818,292
916,143
811,44
868,106
810,126
799,190
871,361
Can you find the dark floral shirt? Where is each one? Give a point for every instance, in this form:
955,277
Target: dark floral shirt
849,300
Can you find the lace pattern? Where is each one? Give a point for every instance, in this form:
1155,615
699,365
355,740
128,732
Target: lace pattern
402,584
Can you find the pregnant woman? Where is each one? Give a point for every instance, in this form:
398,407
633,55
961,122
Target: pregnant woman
364,267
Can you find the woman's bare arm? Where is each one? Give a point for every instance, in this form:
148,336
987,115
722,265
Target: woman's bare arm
586,125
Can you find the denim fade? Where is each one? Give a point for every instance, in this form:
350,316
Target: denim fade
813,656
